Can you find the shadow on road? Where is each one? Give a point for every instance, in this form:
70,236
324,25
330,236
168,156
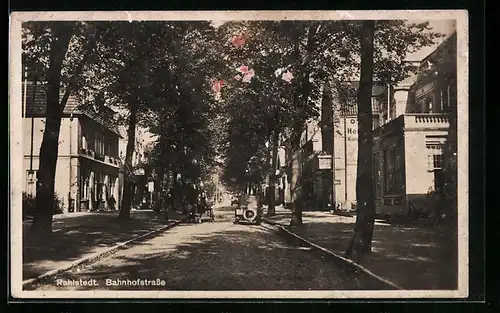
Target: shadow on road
414,258
77,236
231,257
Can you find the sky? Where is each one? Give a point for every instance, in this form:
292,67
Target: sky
446,27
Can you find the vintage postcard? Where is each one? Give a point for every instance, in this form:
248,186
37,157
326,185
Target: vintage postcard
239,154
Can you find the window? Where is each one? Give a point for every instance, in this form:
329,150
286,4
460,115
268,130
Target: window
90,141
399,175
31,179
84,183
84,142
389,171
445,97
438,161
110,187
394,180
377,175
103,151
434,156
435,163
429,105
107,150
99,181
99,144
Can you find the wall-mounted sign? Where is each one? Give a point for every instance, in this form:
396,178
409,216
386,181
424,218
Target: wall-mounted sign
324,163
139,171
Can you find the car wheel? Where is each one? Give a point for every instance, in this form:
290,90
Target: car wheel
250,214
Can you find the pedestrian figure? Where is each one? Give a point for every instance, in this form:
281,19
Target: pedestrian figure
112,203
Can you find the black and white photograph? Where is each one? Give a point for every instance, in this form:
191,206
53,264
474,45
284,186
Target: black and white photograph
239,154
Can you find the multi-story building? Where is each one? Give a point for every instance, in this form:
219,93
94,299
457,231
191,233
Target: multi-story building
333,139
410,129
329,139
279,173
87,163
408,149
140,188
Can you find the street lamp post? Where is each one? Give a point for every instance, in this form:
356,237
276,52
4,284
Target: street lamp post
25,90
345,155
31,172
332,150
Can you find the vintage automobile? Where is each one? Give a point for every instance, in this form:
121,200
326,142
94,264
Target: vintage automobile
234,200
249,210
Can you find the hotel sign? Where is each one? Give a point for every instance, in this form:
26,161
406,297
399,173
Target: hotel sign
352,130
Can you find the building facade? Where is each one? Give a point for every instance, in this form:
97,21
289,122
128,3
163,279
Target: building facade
280,176
88,163
140,189
408,150
332,139
411,128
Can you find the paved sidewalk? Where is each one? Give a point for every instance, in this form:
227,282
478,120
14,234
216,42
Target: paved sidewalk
413,257
77,235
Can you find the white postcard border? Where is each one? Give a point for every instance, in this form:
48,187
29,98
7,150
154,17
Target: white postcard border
16,147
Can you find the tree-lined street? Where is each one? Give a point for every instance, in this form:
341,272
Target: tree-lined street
232,105
213,256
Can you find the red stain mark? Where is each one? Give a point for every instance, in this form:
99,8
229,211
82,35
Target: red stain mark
243,69
239,40
217,85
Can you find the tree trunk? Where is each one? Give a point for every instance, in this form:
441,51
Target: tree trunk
449,199
42,222
160,175
128,170
272,178
365,201
174,196
448,204
165,193
301,101
296,208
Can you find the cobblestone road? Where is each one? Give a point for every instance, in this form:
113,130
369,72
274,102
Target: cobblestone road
212,256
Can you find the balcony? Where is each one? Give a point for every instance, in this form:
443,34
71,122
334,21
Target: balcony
112,160
426,120
106,159
87,152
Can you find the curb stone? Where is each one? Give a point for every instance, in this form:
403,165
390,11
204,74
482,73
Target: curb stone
340,259
98,255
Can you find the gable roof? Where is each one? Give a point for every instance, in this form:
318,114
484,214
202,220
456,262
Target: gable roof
36,105
447,47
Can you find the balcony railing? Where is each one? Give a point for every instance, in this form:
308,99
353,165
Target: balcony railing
87,152
103,158
425,120
112,160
